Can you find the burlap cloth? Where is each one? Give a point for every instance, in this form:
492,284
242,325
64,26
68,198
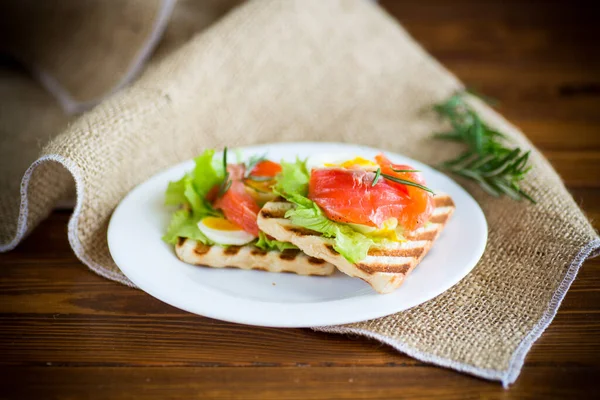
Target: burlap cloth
273,71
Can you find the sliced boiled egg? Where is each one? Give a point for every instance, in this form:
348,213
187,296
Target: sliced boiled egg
223,231
339,160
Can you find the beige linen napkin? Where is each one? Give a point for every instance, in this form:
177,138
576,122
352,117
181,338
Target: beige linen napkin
337,70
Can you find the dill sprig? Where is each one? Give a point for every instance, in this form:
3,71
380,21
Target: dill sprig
392,178
405,182
498,169
377,175
226,181
253,162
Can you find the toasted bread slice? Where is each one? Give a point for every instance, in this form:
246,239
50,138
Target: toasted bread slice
251,257
385,268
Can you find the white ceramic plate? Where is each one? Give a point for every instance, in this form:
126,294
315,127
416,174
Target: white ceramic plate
285,300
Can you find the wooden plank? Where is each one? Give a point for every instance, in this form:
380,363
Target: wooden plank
414,382
577,169
537,61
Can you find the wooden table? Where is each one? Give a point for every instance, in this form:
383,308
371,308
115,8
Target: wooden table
67,333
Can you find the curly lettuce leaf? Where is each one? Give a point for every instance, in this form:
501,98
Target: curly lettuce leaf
267,244
293,178
183,224
352,245
207,173
190,193
292,184
175,194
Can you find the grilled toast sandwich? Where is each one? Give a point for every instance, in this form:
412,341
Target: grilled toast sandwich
384,268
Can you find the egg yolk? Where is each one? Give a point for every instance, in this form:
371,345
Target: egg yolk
220,224
357,161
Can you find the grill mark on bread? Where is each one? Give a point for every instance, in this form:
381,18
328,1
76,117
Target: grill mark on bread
315,261
443,201
331,249
258,252
231,250
289,254
427,235
259,268
439,219
274,213
379,267
301,231
409,252
200,248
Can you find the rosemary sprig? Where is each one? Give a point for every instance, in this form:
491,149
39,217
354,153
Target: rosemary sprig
252,162
226,182
498,169
377,176
404,170
405,182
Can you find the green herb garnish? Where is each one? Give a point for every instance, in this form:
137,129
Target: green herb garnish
253,162
404,170
377,175
405,182
226,182
498,169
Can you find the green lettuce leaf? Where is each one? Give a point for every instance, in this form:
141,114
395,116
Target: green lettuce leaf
292,184
207,173
267,244
193,187
293,178
183,224
351,244
190,193
175,194
198,203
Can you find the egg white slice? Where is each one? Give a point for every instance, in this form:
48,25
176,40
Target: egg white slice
237,237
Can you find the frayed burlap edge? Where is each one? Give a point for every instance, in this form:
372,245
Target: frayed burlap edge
22,226
510,375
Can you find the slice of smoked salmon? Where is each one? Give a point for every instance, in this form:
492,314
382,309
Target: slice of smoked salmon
420,206
238,206
349,196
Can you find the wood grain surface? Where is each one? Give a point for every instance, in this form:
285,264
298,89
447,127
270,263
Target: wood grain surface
67,333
